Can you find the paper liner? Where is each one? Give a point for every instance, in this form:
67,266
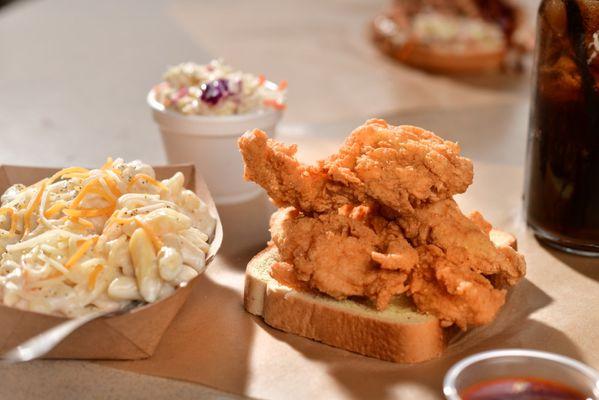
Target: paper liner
133,335
214,342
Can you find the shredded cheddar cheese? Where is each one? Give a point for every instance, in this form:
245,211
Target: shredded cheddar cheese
88,212
54,209
85,223
83,192
80,252
93,277
93,187
78,175
13,220
112,185
63,254
66,171
158,244
107,164
148,179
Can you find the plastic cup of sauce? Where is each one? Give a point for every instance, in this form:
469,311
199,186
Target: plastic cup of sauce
521,375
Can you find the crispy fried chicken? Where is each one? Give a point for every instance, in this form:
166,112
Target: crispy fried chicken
397,166
443,258
353,252
455,293
377,219
464,241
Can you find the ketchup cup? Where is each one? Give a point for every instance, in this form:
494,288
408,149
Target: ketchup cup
518,363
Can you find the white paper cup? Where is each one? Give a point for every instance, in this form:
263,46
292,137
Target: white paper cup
210,143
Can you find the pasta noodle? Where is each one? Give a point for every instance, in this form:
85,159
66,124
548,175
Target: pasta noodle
83,240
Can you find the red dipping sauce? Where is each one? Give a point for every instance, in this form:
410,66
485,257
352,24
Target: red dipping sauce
521,389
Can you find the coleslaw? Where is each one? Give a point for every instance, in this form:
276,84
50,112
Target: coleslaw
217,89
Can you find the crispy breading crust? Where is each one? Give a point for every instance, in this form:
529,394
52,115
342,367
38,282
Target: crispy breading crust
406,337
398,166
378,219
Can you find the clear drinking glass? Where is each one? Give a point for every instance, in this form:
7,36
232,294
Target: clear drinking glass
562,184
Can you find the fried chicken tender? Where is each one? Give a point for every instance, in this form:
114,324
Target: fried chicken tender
349,253
464,241
273,166
444,260
462,274
377,219
455,293
400,167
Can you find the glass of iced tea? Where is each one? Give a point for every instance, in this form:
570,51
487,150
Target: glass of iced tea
562,182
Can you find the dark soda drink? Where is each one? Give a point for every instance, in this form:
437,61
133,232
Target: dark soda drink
562,181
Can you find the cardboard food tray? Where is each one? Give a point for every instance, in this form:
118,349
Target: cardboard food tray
130,336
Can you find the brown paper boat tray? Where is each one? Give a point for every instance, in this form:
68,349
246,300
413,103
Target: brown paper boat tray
129,336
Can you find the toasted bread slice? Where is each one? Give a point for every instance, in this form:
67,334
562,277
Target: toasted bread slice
399,333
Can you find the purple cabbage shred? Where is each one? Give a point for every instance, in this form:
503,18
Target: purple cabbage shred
214,91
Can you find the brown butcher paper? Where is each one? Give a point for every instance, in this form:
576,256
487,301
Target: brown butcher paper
132,335
214,342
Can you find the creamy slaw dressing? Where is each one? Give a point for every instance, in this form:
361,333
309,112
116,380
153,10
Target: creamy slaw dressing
216,89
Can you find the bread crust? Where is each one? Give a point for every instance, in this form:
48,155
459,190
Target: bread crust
314,317
309,316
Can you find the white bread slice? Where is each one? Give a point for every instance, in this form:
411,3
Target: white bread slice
399,333
503,239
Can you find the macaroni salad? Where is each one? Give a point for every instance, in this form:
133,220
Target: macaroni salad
83,240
